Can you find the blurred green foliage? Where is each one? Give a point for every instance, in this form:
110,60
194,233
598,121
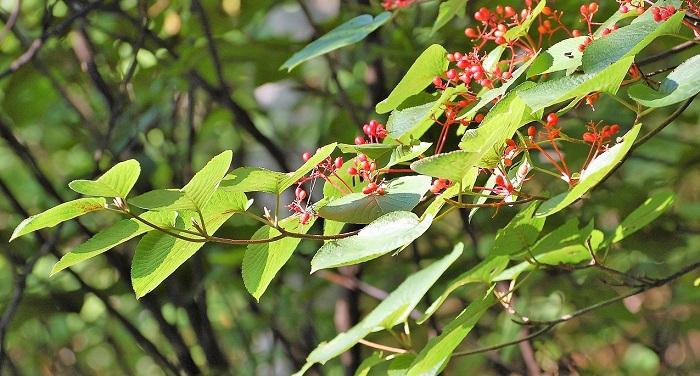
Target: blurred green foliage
116,80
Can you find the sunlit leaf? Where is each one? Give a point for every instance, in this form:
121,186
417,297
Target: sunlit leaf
112,236
115,182
577,86
390,312
57,214
262,261
411,123
563,55
158,254
348,33
626,42
194,195
383,235
594,173
401,194
432,62
679,85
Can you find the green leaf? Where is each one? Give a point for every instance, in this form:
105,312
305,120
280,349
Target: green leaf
596,171
435,355
490,95
252,179
522,29
626,42
162,199
564,55
566,236
576,86
116,182
432,62
399,364
568,255
681,84
158,254
453,165
383,235
448,10
256,179
651,209
113,236
411,123
402,193
365,367
509,114
519,234
484,272
192,196
348,33
57,214
262,261
390,312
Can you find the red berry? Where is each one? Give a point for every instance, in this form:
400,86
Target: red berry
359,140
365,165
589,137
624,9
509,11
372,166
501,40
510,142
371,187
300,193
593,7
353,171
306,156
614,128
437,81
531,131
338,162
552,119
304,218
478,118
506,75
469,32
362,157
451,74
380,191
546,11
508,162
584,10
576,33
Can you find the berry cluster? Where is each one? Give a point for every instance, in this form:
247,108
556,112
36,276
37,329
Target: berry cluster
324,169
366,170
393,4
629,5
496,24
662,13
374,131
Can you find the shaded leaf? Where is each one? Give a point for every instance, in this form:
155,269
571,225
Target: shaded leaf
115,182
519,234
453,165
383,235
681,84
596,171
484,272
390,312
435,355
402,194
348,33
262,261
651,209
112,236
432,62
411,123
57,214
448,10
252,179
